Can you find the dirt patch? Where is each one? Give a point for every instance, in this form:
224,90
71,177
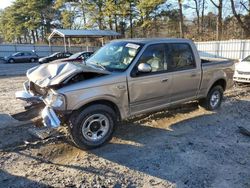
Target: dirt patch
182,147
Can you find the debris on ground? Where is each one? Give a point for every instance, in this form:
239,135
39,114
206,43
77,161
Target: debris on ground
185,146
244,131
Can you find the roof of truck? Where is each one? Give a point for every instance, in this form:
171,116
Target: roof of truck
152,40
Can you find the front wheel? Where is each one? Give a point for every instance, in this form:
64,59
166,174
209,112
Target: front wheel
11,61
213,99
93,126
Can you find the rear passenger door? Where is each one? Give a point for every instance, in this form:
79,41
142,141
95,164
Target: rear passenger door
186,75
27,57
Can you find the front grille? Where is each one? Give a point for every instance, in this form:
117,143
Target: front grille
244,73
36,90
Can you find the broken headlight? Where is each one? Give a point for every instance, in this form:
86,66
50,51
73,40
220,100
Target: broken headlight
55,100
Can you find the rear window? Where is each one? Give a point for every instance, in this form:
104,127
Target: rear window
180,57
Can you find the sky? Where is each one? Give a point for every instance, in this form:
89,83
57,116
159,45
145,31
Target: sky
189,13
5,3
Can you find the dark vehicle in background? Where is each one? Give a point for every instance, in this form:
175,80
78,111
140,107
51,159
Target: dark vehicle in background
22,57
77,57
54,56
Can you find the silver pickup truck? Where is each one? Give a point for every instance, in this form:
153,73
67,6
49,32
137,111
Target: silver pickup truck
122,79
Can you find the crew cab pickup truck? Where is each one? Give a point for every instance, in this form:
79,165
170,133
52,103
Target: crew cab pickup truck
122,79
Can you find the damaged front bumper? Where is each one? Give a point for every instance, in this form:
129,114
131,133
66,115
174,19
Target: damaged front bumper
26,96
50,119
38,113
36,109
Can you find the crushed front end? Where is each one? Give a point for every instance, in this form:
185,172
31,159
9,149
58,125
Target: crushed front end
39,105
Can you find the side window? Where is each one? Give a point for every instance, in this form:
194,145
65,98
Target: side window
59,55
84,55
180,57
154,56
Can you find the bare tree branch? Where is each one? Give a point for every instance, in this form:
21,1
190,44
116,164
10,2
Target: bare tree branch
237,16
217,6
243,4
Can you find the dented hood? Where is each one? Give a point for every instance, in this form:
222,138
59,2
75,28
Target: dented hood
55,73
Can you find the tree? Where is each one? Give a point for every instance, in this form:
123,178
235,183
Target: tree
148,12
219,27
181,19
199,6
244,21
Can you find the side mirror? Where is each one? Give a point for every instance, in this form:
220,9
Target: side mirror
144,68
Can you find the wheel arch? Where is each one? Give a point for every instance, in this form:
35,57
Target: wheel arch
221,82
106,102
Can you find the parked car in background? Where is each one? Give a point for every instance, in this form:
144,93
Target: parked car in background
123,79
22,57
54,56
242,71
77,57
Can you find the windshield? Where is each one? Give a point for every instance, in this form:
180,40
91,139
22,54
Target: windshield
16,54
115,56
247,59
76,55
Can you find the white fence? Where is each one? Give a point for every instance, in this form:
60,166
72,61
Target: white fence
41,50
233,49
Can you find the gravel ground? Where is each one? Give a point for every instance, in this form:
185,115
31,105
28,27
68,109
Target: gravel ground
182,147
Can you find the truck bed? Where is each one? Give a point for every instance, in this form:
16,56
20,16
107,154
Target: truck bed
212,68
208,60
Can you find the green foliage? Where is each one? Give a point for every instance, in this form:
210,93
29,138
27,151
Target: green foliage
25,19
31,21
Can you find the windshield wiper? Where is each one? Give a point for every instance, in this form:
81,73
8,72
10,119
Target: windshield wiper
104,68
96,65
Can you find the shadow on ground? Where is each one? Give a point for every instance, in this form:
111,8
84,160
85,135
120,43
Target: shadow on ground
202,151
6,180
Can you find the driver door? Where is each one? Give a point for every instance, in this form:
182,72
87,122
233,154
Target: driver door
19,57
149,91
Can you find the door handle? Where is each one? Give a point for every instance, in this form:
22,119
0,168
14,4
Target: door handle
164,80
193,75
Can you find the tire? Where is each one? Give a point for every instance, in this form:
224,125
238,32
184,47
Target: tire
85,126
213,99
11,61
32,60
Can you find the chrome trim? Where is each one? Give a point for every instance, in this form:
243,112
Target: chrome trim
26,86
26,96
50,118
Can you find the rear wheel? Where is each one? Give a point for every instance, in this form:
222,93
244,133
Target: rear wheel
32,60
213,99
93,126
